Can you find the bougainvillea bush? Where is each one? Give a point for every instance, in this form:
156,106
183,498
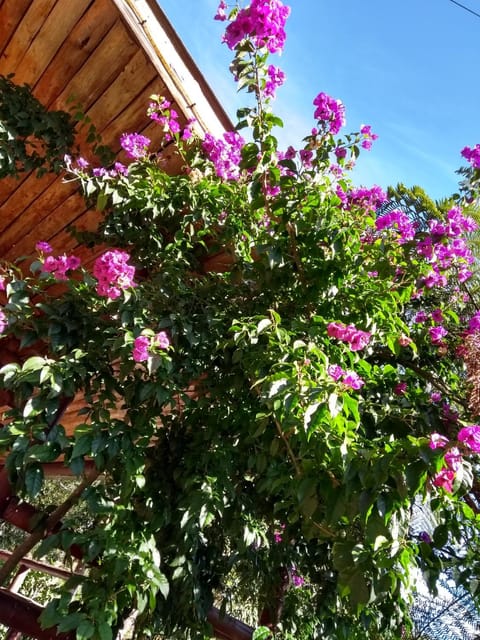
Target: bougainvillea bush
264,428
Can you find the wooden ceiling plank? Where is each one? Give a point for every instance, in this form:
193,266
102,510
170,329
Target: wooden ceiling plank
102,67
8,185
48,226
129,83
12,239
91,29
25,33
133,115
49,39
11,16
21,199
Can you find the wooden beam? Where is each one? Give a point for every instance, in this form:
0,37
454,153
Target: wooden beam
35,565
228,628
22,614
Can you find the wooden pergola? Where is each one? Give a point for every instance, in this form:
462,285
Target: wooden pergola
108,56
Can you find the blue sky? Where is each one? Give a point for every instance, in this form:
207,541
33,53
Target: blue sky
410,69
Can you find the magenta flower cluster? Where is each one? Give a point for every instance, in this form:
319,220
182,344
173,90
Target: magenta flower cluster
3,321
80,166
275,79
367,136
472,155
329,111
348,378
113,273
400,222
443,248
135,145
436,332
58,266
44,247
474,322
263,21
367,199
469,438
145,346
160,111
356,338
225,153
118,169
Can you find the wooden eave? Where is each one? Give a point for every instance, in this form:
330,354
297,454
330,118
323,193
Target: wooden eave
107,56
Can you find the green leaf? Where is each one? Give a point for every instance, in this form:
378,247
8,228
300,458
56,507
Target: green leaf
85,630
82,445
105,631
261,633
71,621
335,404
33,364
43,452
162,583
33,479
9,371
359,590
263,325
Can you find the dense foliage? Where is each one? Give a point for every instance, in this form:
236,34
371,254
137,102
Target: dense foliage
263,427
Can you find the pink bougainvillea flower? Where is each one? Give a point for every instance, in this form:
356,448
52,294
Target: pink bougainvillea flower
135,145
470,437
145,346
352,380
472,155
278,534
225,153
437,334
3,322
437,316
367,199
297,580
367,136
3,284
113,273
444,479
161,340
141,346
398,221
348,378
474,322
263,21
335,371
400,388
119,169
221,15
59,266
453,459
275,79
330,111
436,396
356,338
437,441
43,247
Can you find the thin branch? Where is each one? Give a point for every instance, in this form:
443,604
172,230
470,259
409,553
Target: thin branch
298,470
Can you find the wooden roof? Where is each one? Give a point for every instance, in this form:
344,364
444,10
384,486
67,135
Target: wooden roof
108,56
